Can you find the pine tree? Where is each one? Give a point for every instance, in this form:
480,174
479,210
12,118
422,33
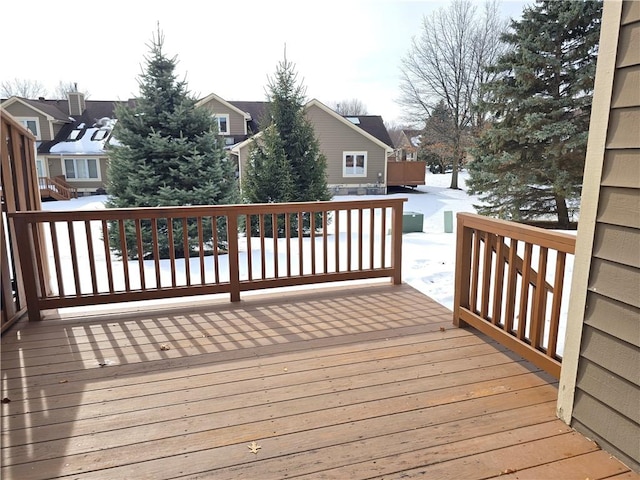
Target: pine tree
530,162
170,154
285,164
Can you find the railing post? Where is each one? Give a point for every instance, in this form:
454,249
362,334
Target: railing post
396,242
464,240
27,263
234,270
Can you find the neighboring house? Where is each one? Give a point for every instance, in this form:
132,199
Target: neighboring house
406,144
356,147
71,136
599,390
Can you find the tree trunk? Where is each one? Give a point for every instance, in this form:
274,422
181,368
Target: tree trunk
563,212
454,172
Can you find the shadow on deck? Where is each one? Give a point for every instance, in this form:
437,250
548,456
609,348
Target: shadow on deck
357,382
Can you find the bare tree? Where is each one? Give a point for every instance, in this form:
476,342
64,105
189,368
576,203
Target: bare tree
21,87
349,107
63,88
446,63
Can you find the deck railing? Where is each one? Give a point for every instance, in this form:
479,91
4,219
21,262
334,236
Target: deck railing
92,262
509,284
56,188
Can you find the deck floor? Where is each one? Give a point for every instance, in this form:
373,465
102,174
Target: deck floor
358,382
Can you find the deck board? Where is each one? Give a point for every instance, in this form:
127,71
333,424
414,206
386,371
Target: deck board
358,382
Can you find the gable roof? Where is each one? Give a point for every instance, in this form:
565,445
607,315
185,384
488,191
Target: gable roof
40,106
213,96
370,126
373,122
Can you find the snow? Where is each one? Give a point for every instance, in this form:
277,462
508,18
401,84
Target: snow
83,142
428,257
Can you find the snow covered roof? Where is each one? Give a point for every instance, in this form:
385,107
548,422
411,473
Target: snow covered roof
82,139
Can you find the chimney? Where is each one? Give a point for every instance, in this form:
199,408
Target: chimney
76,102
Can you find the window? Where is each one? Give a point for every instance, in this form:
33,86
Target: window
31,124
354,164
223,123
81,168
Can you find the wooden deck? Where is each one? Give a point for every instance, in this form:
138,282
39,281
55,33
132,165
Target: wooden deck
356,382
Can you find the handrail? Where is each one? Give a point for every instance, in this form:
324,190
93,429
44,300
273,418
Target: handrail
499,268
63,190
315,242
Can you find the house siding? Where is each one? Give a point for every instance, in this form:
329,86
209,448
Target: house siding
606,405
335,138
84,186
18,110
237,122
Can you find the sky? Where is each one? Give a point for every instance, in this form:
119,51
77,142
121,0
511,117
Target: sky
342,50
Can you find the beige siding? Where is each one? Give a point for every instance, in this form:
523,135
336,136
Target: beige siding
19,110
606,404
600,311
335,138
237,122
622,169
84,186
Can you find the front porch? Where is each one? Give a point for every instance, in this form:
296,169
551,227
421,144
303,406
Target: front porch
356,381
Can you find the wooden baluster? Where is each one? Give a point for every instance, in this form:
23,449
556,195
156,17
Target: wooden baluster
524,291
201,249
156,251
139,241
125,255
558,285
511,286
172,251
56,257
92,258
74,258
107,255
539,301
185,248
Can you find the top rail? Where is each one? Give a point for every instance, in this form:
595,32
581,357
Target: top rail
120,255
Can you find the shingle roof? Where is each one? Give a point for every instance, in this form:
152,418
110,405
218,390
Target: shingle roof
257,110
374,125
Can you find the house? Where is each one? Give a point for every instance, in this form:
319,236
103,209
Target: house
406,143
599,391
356,147
71,136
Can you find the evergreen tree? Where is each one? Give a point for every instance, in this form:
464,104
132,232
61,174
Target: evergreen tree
285,163
170,154
530,162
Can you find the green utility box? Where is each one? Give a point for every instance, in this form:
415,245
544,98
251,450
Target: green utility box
412,222
448,221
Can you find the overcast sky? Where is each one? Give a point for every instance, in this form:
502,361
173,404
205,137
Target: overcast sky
349,49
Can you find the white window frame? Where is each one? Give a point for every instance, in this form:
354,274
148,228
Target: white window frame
75,161
353,173
24,120
225,116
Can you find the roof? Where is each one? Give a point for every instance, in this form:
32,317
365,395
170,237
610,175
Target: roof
257,110
373,125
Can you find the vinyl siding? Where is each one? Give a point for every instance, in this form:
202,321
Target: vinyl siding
607,396
85,185
18,109
237,122
335,138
